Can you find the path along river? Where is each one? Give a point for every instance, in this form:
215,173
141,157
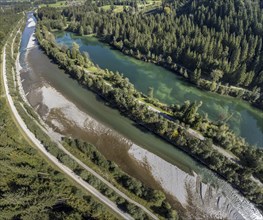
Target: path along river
75,111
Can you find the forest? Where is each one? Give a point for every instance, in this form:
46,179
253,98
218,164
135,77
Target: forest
8,18
171,123
214,45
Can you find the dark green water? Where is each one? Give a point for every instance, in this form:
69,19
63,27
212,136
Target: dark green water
170,88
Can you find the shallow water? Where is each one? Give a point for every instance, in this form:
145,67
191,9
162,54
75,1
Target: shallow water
170,88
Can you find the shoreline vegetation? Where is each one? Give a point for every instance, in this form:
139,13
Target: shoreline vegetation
202,83
172,123
227,67
154,200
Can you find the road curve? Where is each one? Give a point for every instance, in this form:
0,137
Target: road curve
53,159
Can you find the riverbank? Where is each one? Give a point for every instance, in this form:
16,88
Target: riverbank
76,73
170,89
175,46
203,84
252,97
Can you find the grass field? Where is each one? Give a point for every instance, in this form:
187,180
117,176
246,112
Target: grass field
149,5
59,4
117,8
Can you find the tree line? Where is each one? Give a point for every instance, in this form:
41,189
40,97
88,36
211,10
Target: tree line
9,18
156,198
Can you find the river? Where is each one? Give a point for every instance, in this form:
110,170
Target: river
170,88
72,110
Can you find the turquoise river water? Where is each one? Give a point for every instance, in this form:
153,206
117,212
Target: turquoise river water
170,88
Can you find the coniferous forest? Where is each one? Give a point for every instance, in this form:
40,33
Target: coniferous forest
215,45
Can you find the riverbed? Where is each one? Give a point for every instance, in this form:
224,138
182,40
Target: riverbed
74,111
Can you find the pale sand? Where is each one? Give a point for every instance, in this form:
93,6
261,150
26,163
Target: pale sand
31,42
169,176
31,23
213,203
54,100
